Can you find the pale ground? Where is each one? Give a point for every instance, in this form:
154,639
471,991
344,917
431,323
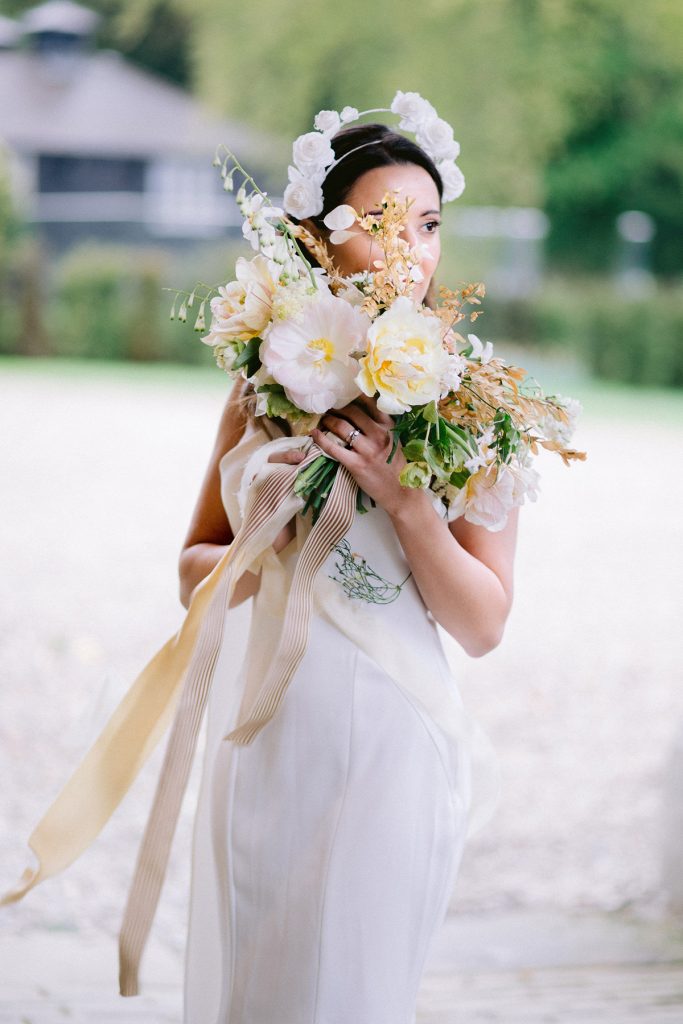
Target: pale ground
100,471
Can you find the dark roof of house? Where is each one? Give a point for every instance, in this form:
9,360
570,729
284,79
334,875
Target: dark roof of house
100,104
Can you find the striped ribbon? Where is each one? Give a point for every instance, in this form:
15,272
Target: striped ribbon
152,860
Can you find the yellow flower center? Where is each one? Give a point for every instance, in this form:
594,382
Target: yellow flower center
416,342
324,346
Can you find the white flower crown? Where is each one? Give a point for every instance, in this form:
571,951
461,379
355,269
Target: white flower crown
313,156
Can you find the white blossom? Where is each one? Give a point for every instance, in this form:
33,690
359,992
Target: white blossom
452,178
341,217
327,121
479,351
348,114
436,138
413,110
554,429
312,151
303,196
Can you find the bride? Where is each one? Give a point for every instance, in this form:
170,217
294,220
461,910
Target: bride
325,851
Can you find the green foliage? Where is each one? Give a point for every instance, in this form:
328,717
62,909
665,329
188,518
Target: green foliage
154,34
638,341
632,339
108,303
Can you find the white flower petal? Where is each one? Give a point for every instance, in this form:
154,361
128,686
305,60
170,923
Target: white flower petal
339,237
341,217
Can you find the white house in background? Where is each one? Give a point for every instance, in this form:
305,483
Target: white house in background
98,147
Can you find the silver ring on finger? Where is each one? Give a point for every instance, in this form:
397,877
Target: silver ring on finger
350,439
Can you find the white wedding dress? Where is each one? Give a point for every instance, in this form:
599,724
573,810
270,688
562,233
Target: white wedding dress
326,850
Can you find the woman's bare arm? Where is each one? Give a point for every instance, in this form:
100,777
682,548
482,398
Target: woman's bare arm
464,572
209,533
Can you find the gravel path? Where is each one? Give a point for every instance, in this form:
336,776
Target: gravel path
100,472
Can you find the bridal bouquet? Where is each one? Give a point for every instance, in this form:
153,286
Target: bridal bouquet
311,340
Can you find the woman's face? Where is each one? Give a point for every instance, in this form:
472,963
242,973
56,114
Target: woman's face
421,226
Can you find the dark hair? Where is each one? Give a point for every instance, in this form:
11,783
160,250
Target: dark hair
381,147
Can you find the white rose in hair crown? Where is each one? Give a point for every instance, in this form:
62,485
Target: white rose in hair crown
311,340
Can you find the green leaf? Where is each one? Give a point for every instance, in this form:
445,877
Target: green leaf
249,357
414,450
430,412
459,478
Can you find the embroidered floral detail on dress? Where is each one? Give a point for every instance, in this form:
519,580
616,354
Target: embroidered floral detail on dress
359,580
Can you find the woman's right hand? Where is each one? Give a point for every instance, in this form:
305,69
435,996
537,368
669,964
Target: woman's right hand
292,456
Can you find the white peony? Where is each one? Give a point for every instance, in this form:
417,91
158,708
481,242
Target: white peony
312,151
413,110
406,361
452,178
484,499
312,357
436,137
303,196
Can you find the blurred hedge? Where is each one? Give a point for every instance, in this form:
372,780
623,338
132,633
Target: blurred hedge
108,303
99,301
632,339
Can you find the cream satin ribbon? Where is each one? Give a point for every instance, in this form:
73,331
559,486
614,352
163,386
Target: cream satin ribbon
178,679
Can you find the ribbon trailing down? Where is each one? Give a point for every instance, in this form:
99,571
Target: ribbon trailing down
173,687
151,864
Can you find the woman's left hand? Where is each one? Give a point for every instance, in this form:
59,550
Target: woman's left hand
366,461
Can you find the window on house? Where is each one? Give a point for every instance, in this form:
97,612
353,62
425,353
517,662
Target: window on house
89,174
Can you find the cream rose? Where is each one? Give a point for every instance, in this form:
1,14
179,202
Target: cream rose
349,114
405,360
436,137
303,196
242,309
327,121
412,108
312,151
452,178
